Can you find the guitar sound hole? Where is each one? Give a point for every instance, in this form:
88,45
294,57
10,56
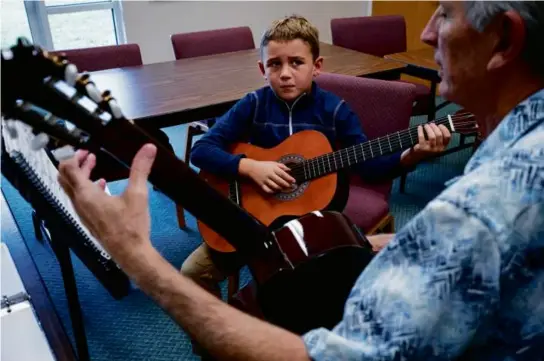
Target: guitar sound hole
291,160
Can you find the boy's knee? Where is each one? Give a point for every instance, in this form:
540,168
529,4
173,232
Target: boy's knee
200,266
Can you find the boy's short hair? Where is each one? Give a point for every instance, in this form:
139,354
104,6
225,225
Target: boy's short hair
291,28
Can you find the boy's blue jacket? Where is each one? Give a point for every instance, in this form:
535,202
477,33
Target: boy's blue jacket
263,119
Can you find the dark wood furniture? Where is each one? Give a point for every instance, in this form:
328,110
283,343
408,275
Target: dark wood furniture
186,90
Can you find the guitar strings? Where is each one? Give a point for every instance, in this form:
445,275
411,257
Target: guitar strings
346,155
350,155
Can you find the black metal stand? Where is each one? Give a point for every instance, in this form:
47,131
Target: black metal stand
62,252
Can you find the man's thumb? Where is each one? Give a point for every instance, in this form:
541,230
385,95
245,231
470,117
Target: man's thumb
141,166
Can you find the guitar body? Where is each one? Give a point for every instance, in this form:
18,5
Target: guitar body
328,192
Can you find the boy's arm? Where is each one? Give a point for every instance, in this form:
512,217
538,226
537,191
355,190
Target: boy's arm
210,152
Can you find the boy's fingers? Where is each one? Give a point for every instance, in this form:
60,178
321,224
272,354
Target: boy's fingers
286,176
284,167
280,181
272,185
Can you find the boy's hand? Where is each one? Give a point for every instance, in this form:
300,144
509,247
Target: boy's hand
272,177
438,138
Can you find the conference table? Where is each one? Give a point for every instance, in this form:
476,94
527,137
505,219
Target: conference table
420,63
182,91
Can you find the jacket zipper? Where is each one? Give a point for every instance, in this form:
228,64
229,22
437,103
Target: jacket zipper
290,108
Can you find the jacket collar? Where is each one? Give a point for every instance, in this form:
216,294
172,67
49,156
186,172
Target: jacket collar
302,98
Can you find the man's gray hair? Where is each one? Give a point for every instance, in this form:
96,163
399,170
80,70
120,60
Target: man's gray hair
481,13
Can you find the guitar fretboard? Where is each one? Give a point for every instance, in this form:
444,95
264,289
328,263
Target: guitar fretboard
347,157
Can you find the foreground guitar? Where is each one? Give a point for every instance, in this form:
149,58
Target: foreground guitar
303,271
314,166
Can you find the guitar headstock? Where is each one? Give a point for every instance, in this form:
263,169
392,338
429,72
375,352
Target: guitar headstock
47,92
462,123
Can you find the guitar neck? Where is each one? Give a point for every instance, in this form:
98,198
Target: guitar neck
347,157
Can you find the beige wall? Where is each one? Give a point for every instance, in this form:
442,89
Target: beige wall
150,23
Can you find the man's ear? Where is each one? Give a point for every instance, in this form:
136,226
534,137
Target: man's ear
510,29
318,65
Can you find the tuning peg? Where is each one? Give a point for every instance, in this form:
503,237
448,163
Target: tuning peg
70,74
115,109
63,153
39,141
106,94
93,92
12,130
7,54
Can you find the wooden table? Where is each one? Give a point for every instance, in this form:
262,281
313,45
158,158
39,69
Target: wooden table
418,63
186,90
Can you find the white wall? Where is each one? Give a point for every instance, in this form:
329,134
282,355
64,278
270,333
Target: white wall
150,23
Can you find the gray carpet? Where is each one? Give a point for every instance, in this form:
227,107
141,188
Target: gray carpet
134,328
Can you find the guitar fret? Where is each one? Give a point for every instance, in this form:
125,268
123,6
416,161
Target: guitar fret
363,151
389,140
324,168
335,165
380,145
371,152
348,158
410,134
400,140
341,162
329,160
304,167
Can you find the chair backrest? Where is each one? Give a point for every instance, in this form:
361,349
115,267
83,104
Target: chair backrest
104,57
383,107
376,35
209,42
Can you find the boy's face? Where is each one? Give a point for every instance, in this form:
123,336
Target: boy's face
289,68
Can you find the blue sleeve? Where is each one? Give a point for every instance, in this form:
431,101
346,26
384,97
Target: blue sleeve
349,132
422,297
210,152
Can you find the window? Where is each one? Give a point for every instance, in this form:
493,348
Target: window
63,24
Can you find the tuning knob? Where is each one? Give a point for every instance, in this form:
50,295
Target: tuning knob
39,141
70,74
115,109
63,153
93,92
12,130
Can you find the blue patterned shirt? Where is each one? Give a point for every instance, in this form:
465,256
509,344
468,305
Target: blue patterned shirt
464,279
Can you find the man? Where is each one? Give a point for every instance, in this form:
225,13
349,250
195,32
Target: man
464,279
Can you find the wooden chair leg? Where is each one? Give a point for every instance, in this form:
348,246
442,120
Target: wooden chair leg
385,225
389,227
188,144
233,284
181,217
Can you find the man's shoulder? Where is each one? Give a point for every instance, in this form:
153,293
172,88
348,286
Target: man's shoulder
506,188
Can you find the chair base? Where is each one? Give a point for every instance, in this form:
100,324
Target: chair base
385,225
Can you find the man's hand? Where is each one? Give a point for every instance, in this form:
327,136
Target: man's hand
271,177
438,138
121,223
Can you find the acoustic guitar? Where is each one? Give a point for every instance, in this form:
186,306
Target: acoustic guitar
315,167
292,267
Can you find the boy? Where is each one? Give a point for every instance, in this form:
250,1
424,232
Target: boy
290,103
